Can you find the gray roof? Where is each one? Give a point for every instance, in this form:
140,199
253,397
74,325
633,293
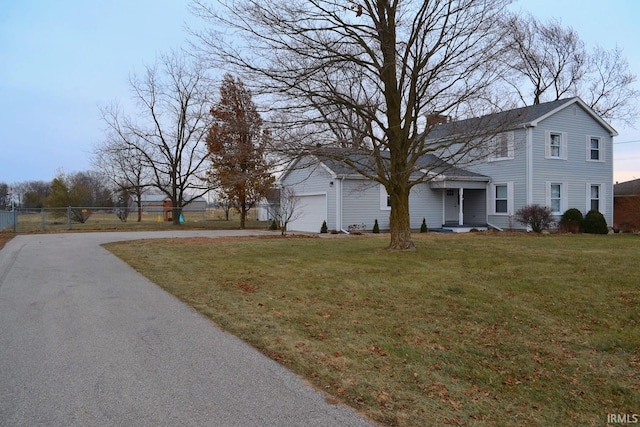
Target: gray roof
429,163
627,188
504,120
508,120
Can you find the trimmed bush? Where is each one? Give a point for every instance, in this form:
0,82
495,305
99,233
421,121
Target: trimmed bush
595,223
571,221
423,227
274,225
536,217
376,227
323,229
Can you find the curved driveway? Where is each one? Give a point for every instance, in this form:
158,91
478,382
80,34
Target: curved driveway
87,341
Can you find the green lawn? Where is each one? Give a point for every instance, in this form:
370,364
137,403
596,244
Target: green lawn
474,329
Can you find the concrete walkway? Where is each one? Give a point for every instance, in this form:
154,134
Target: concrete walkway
87,341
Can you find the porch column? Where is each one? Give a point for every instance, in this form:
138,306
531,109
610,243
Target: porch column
460,201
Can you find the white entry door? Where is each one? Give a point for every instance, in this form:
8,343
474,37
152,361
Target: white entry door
451,206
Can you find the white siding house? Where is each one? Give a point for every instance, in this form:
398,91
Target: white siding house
557,154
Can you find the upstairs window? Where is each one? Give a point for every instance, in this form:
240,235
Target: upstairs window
502,147
556,145
595,149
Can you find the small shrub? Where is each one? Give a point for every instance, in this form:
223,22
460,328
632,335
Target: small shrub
323,229
423,227
376,227
571,221
537,217
274,225
595,223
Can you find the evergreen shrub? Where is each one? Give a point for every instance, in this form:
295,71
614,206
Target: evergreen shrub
595,223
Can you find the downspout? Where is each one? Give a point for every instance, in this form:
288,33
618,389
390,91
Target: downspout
494,227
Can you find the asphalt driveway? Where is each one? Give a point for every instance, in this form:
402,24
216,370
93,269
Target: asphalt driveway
87,341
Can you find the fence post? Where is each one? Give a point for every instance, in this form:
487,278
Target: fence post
41,219
69,217
15,220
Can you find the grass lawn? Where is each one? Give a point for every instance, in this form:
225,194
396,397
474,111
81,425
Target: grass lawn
474,329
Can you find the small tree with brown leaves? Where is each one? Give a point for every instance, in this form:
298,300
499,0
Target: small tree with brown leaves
237,145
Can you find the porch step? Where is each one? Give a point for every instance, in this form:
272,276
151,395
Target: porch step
465,228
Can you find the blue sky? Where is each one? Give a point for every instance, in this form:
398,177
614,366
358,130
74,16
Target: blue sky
63,59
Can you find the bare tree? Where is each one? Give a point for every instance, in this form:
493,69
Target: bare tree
167,133
550,58
608,86
126,169
549,61
367,71
285,209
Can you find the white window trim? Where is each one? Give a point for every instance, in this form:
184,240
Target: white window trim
510,147
602,198
563,196
509,198
383,198
563,145
600,149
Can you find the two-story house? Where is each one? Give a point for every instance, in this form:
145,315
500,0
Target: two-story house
556,154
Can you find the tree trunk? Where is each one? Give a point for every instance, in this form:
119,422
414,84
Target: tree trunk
399,221
176,215
139,208
243,216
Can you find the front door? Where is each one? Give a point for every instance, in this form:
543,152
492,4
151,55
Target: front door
451,206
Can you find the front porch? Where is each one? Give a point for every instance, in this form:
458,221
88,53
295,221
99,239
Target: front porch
464,206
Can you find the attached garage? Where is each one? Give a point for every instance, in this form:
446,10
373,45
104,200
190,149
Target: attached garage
310,212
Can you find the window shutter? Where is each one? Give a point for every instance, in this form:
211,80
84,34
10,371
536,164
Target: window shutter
510,197
510,145
588,193
547,145
547,188
588,149
564,199
564,146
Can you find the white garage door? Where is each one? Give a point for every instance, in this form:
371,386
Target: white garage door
309,214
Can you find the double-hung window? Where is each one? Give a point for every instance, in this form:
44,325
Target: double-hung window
556,197
595,197
595,149
502,198
556,145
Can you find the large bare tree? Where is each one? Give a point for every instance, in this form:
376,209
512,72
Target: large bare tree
549,61
366,72
167,132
